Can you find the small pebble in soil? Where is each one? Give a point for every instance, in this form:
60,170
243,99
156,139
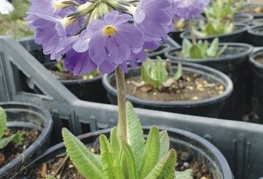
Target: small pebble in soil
195,98
186,164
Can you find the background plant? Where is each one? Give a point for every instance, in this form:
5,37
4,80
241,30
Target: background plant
219,18
202,49
15,138
13,24
158,74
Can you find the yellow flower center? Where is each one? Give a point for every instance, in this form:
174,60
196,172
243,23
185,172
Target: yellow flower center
109,30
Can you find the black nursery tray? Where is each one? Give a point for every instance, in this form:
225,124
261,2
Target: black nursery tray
240,142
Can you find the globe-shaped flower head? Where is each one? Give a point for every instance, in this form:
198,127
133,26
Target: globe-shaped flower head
189,9
111,42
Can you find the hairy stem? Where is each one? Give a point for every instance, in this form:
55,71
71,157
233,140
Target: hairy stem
192,35
121,104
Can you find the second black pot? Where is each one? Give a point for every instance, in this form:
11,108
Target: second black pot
85,89
207,107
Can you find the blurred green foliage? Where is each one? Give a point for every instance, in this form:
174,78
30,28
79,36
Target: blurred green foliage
13,23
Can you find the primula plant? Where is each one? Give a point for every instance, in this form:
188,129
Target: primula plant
158,74
15,138
202,49
109,35
219,18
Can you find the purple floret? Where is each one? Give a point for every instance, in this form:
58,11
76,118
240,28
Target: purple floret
189,9
154,19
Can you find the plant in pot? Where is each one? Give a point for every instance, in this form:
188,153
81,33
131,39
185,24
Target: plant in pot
219,23
160,85
78,85
109,42
25,131
229,58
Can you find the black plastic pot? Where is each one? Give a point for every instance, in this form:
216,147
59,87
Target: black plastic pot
237,35
24,115
85,89
255,35
182,140
234,63
34,49
257,86
159,51
206,107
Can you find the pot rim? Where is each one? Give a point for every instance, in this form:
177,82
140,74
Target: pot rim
242,28
234,56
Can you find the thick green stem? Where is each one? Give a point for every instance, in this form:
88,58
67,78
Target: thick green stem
121,104
191,27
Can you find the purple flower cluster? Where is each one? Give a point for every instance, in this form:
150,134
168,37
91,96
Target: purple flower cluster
91,38
189,9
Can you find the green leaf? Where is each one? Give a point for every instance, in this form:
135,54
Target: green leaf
179,71
16,138
2,122
212,50
187,174
151,152
85,161
59,66
222,50
135,136
186,45
164,143
114,140
154,73
165,167
146,74
209,29
160,70
195,52
111,169
129,167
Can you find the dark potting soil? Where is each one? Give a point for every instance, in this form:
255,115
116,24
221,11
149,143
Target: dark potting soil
252,10
12,150
259,59
62,168
190,87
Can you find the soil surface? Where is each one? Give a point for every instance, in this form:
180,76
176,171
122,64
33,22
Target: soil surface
12,150
190,87
64,76
252,10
